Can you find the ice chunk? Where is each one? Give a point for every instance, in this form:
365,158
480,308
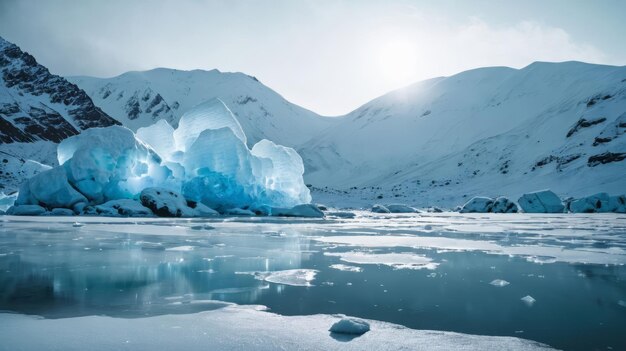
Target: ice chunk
295,277
26,210
281,177
110,163
380,209
7,201
544,201
165,203
160,137
478,204
395,260
201,210
350,325
528,300
238,212
346,268
220,169
51,188
503,205
499,283
617,204
399,208
123,208
304,210
481,204
210,115
600,202
61,212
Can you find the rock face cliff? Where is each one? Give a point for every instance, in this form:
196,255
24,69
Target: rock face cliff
37,110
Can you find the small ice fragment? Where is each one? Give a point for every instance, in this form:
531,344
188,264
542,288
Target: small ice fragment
621,303
499,283
294,277
528,300
350,325
77,224
181,248
346,268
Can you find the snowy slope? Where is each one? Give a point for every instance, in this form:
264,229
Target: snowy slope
37,110
139,99
487,131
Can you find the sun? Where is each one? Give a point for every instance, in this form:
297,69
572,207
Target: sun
398,60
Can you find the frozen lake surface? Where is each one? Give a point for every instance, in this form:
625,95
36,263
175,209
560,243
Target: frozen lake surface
554,279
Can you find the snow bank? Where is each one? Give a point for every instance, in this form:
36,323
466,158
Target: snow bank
544,201
205,159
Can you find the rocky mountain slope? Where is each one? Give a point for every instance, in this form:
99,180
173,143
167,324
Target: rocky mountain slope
37,110
490,131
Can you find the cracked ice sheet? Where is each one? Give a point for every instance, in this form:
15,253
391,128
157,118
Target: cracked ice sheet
395,260
534,253
228,328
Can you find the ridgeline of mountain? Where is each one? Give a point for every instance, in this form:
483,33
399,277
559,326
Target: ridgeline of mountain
139,99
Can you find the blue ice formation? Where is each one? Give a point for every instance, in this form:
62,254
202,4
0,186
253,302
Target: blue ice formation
205,159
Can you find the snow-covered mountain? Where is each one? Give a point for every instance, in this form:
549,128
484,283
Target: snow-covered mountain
488,131
37,110
139,99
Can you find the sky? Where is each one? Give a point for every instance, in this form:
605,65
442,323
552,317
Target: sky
327,56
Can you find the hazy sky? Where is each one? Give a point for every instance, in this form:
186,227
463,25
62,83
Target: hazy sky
328,56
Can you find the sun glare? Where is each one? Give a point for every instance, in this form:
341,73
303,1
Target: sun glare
398,60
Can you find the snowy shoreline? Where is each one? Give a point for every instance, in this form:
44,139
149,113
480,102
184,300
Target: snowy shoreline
232,327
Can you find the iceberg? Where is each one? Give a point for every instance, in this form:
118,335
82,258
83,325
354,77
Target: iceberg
204,164
480,204
544,201
598,203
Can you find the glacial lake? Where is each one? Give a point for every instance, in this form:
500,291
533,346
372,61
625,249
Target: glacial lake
555,279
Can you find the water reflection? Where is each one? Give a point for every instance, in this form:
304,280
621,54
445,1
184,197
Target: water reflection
133,270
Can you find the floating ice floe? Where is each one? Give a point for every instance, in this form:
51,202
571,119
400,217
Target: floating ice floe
499,283
528,300
346,268
395,260
205,161
294,277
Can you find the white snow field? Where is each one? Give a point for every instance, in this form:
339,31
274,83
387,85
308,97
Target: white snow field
205,159
493,131
168,283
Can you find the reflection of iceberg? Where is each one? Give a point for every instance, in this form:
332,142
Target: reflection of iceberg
206,159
